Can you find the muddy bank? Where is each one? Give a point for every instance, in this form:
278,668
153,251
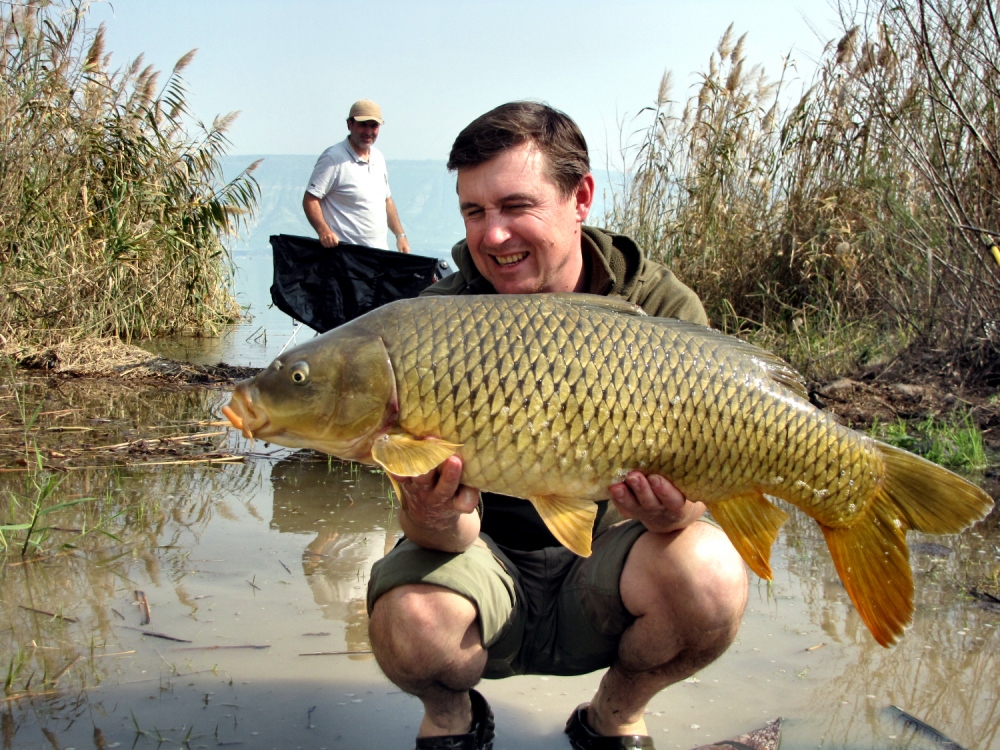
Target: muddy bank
860,401
111,358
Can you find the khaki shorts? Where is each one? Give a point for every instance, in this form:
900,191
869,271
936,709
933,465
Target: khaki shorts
541,612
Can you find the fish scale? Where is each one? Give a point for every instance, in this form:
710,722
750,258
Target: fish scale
617,409
553,398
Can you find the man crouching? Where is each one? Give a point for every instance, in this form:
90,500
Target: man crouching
479,587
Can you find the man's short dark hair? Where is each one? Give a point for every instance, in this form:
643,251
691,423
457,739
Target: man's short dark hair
514,123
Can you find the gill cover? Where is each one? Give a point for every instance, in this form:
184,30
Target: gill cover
364,386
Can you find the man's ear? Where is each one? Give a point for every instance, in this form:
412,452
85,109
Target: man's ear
584,196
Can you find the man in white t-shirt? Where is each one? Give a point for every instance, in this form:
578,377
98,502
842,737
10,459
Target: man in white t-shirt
348,198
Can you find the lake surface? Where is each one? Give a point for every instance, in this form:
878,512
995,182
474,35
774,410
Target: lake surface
260,568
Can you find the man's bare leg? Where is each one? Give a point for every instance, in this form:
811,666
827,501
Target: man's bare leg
687,590
426,639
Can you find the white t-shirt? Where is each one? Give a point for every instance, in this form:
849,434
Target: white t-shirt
352,193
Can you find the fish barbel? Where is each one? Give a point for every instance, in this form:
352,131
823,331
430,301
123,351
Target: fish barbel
553,398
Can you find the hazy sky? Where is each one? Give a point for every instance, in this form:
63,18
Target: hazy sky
294,67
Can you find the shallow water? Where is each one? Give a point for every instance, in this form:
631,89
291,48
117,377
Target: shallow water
275,553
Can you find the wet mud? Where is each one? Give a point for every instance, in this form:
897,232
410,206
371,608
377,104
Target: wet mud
250,625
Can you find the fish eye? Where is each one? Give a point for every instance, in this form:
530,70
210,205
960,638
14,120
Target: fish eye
299,372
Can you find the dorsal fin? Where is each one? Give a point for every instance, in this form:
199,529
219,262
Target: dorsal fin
776,368
783,373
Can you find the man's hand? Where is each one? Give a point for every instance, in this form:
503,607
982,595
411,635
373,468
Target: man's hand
328,238
655,501
439,511
314,213
402,244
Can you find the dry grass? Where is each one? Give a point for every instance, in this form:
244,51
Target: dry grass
113,212
856,221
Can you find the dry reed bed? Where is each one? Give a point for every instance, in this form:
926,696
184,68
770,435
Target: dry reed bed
113,210
74,421
843,224
47,444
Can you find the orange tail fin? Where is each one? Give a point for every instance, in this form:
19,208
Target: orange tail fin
871,556
874,563
931,498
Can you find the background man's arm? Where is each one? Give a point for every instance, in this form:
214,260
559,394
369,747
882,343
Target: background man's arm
396,226
314,213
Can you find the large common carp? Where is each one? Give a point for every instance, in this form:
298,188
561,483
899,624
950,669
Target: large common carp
555,397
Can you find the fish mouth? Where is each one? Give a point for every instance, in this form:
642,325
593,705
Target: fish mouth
509,260
241,414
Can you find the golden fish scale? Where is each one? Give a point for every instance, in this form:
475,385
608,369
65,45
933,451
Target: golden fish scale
553,398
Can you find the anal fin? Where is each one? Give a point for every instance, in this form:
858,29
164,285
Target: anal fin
751,522
873,562
398,490
570,519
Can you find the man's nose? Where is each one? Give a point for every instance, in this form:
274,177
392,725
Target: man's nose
497,231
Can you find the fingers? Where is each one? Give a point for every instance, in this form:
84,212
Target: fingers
439,492
664,491
639,492
655,501
442,482
466,499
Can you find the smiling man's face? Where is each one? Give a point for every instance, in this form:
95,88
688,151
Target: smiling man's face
523,233
363,134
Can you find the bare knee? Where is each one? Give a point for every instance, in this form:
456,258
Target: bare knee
419,632
695,578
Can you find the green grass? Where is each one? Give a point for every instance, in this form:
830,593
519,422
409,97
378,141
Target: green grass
956,444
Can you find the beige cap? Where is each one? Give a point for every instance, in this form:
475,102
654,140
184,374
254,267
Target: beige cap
365,109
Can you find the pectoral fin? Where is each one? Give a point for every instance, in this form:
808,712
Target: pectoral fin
751,523
406,456
570,519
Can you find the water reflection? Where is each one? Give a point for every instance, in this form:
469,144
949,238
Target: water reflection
143,527
348,509
277,550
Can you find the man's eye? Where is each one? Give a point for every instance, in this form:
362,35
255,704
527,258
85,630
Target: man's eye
472,213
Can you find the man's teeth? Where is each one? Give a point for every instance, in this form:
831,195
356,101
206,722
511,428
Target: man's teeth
506,260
